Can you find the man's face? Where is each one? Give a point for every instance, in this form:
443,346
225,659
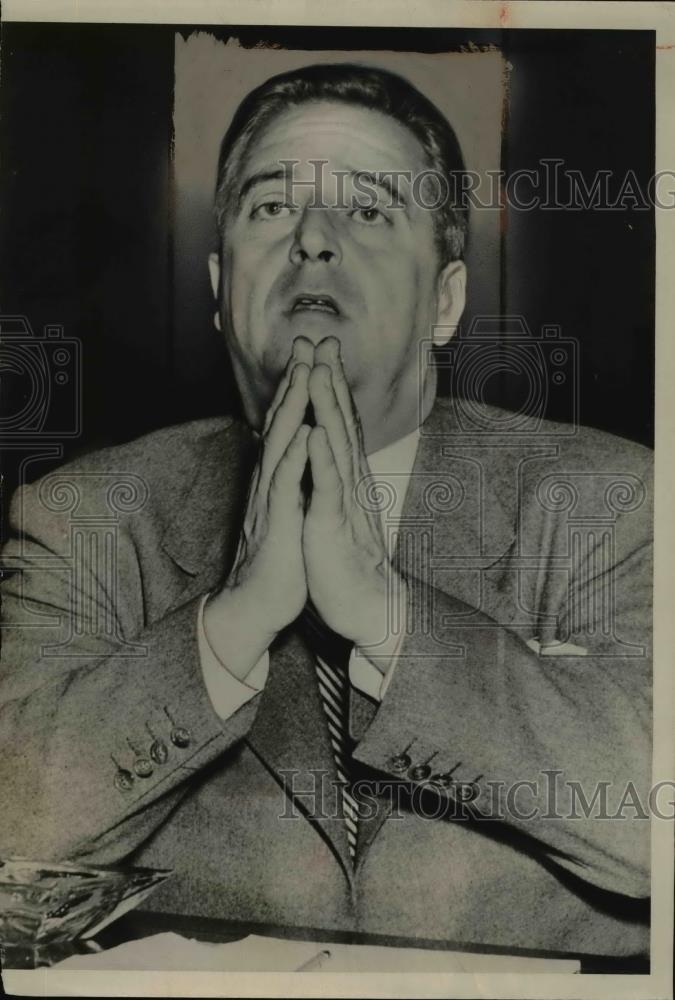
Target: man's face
364,271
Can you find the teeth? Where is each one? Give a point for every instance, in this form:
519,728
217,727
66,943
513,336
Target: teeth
315,301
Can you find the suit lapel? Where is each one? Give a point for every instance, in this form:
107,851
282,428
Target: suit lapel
459,515
201,534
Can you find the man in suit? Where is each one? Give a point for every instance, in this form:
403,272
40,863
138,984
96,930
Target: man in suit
369,659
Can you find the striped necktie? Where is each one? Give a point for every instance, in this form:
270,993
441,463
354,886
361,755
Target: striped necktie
332,653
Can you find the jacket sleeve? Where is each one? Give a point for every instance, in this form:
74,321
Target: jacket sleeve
104,717
556,741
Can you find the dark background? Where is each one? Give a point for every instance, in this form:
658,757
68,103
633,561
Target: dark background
85,226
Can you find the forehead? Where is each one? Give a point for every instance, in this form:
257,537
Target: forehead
349,136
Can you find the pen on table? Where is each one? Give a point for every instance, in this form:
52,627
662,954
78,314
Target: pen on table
315,962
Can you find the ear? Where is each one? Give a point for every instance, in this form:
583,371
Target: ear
451,299
214,274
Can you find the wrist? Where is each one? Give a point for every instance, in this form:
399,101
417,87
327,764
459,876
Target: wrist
381,640
234,631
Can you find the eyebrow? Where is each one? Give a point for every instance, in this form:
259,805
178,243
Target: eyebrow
261,177
385,183
388,184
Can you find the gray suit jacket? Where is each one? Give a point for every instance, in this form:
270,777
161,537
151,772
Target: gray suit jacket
508,534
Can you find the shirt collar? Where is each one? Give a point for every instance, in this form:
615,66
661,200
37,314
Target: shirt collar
392,466
397,457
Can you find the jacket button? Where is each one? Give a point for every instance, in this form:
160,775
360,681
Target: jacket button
180,737
401,762
420,772
468,791
159,751
143,767
124,780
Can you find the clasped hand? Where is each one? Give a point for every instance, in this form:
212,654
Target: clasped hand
327,547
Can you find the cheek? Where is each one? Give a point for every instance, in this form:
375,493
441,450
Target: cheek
245,284
407,308
405,286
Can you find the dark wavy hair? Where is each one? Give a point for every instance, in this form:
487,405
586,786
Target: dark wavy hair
363,86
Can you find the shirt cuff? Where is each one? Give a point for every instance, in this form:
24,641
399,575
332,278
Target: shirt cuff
365,676
227,692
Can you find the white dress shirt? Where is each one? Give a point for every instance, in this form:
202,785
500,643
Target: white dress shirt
390,466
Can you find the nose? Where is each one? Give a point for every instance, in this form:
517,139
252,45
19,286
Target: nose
315,238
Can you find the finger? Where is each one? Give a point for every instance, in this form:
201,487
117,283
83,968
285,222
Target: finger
328,351
280,391
304,351
301,352
252,496
284,493
329,416
327,485
287,419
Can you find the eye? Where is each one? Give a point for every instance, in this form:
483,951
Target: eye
270,210
369,216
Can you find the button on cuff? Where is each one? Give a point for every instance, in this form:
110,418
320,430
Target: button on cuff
180,736
420,772
400,762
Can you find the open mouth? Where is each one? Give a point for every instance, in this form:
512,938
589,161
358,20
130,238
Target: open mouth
315,303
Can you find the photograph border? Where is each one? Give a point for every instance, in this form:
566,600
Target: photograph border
520,14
